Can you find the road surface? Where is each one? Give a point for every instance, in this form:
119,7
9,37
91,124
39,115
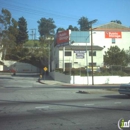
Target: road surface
27,105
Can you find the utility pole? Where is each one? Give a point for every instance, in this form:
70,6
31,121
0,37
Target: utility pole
33,34
91,22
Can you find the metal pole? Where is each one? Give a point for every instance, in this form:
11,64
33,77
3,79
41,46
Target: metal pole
92,55
70,69
63,59
91,22
87,65
73,69
49,58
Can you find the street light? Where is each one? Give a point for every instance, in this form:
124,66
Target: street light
91,22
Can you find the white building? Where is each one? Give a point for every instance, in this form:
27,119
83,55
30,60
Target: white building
112,34
75,56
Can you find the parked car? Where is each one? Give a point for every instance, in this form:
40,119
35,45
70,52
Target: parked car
124,89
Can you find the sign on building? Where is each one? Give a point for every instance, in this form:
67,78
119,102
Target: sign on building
79,54
62,38
113,34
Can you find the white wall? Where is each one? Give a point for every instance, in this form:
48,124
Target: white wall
88,80
100,80
100,40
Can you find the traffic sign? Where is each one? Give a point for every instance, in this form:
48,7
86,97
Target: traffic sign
45,68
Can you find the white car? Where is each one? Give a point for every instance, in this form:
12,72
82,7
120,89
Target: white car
124,89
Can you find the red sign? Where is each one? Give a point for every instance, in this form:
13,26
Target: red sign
63,37
113,34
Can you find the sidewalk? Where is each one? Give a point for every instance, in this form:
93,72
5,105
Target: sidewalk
84,88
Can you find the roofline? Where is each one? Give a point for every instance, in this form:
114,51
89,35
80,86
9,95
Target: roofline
98,27
104,29
83,48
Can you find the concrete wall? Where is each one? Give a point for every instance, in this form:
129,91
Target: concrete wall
25,67
88,80
19,67
60,77
100,80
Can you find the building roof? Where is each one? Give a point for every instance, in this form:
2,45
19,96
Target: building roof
81,48
112,26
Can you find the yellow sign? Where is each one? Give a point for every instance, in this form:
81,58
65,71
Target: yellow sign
45,68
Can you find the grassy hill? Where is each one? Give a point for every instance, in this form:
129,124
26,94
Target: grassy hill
32,43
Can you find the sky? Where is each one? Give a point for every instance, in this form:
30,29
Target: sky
68,12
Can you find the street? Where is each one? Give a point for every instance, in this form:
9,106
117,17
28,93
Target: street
26,104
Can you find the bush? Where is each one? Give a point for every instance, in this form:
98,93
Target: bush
83,72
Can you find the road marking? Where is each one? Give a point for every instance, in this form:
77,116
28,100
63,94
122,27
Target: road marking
42,107
117,102
88,104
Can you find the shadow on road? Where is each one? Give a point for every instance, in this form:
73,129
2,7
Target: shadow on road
6,78
117,96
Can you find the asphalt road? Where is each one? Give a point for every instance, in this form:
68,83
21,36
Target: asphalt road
27,105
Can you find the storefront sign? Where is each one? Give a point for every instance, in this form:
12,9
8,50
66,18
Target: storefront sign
113,34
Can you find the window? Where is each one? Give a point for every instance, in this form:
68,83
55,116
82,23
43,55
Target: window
94,53
113,40
68,53
90,64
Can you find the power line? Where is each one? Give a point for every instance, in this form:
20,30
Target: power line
34,11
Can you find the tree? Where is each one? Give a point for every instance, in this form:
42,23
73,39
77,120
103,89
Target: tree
13,31
22,31
117,21
8,31
115,56
73,28
128,56
46,27
60,29
5,19
84,24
